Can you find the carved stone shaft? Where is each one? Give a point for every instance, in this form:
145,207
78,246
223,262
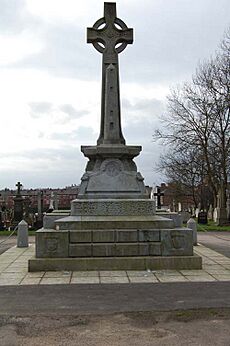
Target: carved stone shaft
110,41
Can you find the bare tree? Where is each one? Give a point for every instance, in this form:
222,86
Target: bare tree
197,125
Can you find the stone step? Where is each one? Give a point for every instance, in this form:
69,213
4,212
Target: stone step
116,263
113,222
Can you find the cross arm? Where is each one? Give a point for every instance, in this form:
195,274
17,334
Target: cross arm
93,35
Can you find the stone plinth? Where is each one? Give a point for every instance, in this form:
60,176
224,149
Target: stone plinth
111,173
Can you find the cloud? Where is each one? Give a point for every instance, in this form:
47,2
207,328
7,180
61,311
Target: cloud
61,113
12,16
72,112
38,109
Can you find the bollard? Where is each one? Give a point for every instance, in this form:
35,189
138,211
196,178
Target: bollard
191,223
22,239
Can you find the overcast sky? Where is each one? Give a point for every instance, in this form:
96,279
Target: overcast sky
50,79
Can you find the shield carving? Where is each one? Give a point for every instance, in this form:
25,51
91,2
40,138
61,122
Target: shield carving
51,244
178,240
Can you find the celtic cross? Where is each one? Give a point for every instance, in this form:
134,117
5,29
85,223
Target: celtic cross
18,185
110,36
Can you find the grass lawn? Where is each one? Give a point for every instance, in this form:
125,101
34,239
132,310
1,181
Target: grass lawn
7,233
211,226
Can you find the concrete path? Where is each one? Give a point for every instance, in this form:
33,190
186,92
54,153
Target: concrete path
23,293
107,298
14,271
218,241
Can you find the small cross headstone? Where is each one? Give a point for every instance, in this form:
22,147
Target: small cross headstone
18,185
18,205
158,194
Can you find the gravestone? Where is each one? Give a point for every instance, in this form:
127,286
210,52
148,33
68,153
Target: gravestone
203,218
228,206
113,223
158,194
18,205
39,217
210,212
51,204
197,212
215,214
221,207
55,195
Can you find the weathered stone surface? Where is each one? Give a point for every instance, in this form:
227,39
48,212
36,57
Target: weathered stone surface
155,249
80,236
127,249
51,243
50,218
104,250
102,236
112,207
115,263
176,217
177,242
80,250
126,235
114,222
149,235
22,234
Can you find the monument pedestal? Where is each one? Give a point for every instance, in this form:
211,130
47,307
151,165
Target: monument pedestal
113,234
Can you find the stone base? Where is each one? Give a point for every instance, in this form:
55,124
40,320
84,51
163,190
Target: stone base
111,173
115,263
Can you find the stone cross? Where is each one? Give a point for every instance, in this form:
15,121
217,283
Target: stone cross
18,185
110,36
158,194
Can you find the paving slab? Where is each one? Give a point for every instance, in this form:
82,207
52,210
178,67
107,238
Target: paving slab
85,280
14,265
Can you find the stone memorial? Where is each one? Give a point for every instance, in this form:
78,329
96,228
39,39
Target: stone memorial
18,205
158,194
221,207
112,224
203,218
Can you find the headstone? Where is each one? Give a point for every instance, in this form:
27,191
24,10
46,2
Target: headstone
210,212
18,205
174,206
158,194
191,223
179,207
51,204
197,212
215,214
203,218
55,200
221,207
228,205
39,219
22,234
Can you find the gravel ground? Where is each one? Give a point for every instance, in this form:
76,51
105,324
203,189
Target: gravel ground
198,327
